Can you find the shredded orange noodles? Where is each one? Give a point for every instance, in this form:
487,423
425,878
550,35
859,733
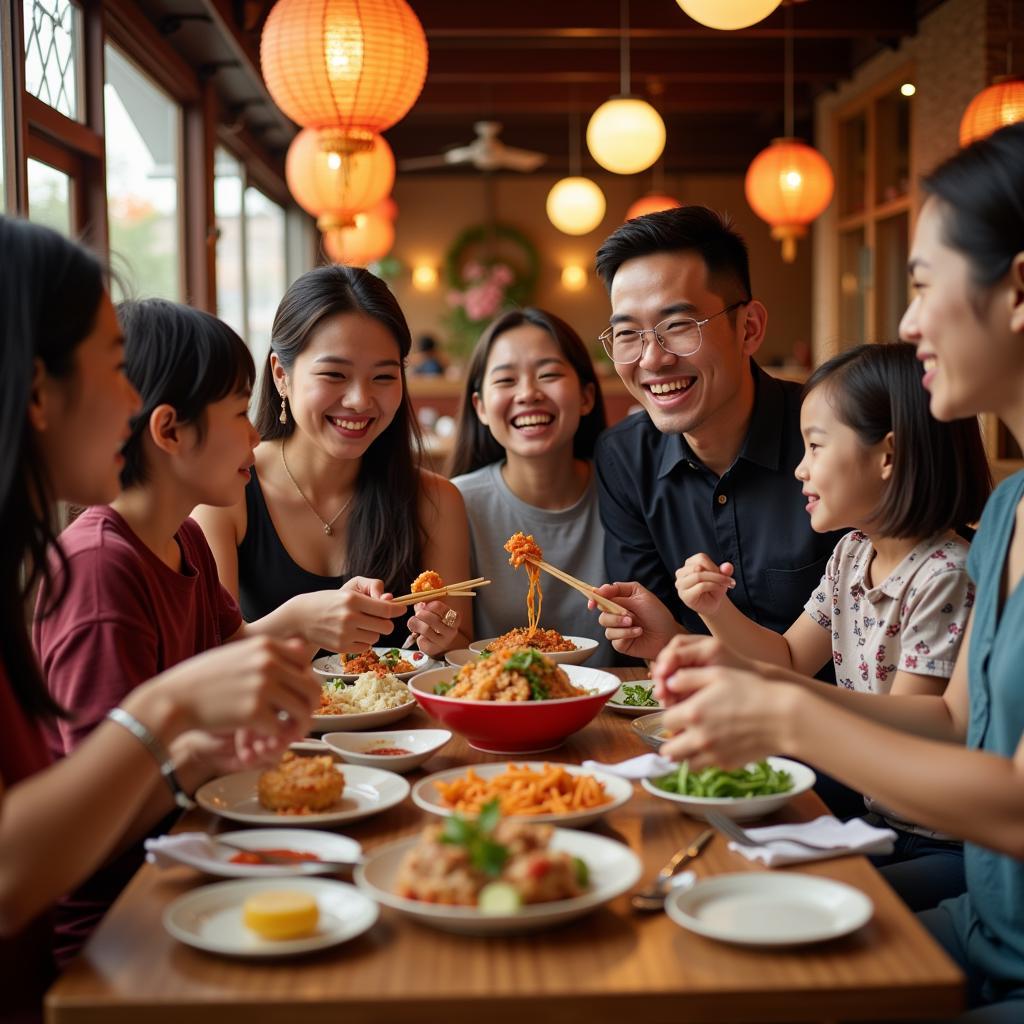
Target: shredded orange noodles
521,547
522,790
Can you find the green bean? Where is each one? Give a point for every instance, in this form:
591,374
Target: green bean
759,780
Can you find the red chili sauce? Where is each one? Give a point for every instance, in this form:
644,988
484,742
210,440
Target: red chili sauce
387,751
256,856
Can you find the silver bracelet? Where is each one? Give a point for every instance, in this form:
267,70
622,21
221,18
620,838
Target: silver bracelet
159,752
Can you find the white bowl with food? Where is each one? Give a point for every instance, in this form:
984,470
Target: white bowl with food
382,660
370,702
537,788
397,751
763,775
611,869
583,647
634,698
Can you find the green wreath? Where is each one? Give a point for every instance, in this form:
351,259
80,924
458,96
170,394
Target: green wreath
474,257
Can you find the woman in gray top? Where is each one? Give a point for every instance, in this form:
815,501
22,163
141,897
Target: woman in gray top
531,413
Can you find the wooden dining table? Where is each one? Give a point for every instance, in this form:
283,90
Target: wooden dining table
613,965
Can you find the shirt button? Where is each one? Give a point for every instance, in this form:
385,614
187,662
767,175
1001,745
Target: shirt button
722,499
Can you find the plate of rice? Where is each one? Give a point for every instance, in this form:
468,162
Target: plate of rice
368,703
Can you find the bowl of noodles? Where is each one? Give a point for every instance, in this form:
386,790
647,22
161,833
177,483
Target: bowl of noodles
562,650
514,700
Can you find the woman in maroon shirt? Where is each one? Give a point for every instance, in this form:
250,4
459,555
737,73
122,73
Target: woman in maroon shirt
65,407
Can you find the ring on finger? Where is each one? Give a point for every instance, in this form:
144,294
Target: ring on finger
450,618
284,718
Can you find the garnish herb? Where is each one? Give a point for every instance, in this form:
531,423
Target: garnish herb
485,854
639,696
527,662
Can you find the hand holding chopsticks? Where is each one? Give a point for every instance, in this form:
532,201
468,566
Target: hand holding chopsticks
586,589
467,588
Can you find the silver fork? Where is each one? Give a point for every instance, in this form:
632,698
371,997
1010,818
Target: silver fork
730,829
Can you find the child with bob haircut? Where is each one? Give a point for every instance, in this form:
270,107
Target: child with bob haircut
892,606
530,416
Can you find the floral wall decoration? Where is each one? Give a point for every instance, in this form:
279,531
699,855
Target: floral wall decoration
489,268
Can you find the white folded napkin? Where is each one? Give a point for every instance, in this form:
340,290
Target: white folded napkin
644,766
842,837
183,848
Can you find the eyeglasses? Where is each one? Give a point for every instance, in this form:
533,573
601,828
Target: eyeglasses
677,335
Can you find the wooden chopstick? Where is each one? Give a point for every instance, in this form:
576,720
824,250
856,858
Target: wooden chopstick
463,589
586,589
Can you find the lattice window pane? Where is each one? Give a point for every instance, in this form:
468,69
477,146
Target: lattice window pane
53,62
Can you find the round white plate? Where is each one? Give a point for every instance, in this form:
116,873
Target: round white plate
427,796
614,869
460,656
210,917
743,807
585,647
326,845
615,702
333,667
360,720
422,744
762,908
367,791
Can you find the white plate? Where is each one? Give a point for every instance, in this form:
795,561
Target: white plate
427,796
367,791
326,845
360,720
210,917
762,908
331,665
585,647
614,869
422,744
460,656
615,702
743,807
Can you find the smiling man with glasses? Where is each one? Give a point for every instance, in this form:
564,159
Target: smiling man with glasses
710,465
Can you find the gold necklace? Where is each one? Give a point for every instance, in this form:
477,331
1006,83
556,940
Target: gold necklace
326,523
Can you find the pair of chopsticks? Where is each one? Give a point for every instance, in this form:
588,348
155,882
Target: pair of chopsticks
464,589
586,589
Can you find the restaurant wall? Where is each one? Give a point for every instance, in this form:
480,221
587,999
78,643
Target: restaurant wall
434,210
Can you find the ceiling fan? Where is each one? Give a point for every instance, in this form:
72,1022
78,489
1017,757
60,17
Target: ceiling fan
486,153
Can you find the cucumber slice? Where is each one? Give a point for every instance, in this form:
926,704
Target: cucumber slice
499,898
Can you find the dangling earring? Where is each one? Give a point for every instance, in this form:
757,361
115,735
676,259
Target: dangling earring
283,418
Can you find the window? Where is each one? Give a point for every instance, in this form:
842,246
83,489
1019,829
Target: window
266,276
874,198
143,147
49,197
53,54
227,204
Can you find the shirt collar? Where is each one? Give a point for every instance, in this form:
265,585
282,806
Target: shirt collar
763,442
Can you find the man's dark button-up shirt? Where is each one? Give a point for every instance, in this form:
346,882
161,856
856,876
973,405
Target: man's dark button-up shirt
660,504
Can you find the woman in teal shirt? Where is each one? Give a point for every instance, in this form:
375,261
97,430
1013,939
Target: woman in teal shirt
954,762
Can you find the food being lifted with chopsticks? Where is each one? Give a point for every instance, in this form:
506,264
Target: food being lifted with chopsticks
427,580
523,550
429,586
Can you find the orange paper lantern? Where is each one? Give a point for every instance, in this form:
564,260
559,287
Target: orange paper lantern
651,204
352,66
788,185
369,239
335,187
1002,103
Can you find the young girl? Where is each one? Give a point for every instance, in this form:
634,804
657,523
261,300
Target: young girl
893,604
64,415
336,491
531,412
967,322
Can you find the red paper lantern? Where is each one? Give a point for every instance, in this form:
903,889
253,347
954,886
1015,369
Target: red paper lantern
1002,103
369,239
335,187
352,66
788,185
651,204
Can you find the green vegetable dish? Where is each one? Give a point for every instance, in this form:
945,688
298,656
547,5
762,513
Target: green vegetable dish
715,783
638,696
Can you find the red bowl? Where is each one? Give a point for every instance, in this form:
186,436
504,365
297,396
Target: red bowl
515,727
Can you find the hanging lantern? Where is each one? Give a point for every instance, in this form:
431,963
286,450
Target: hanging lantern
728,15
354,67
334,187
625,135
788,185
575,205
1002,103
651,204
370,238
